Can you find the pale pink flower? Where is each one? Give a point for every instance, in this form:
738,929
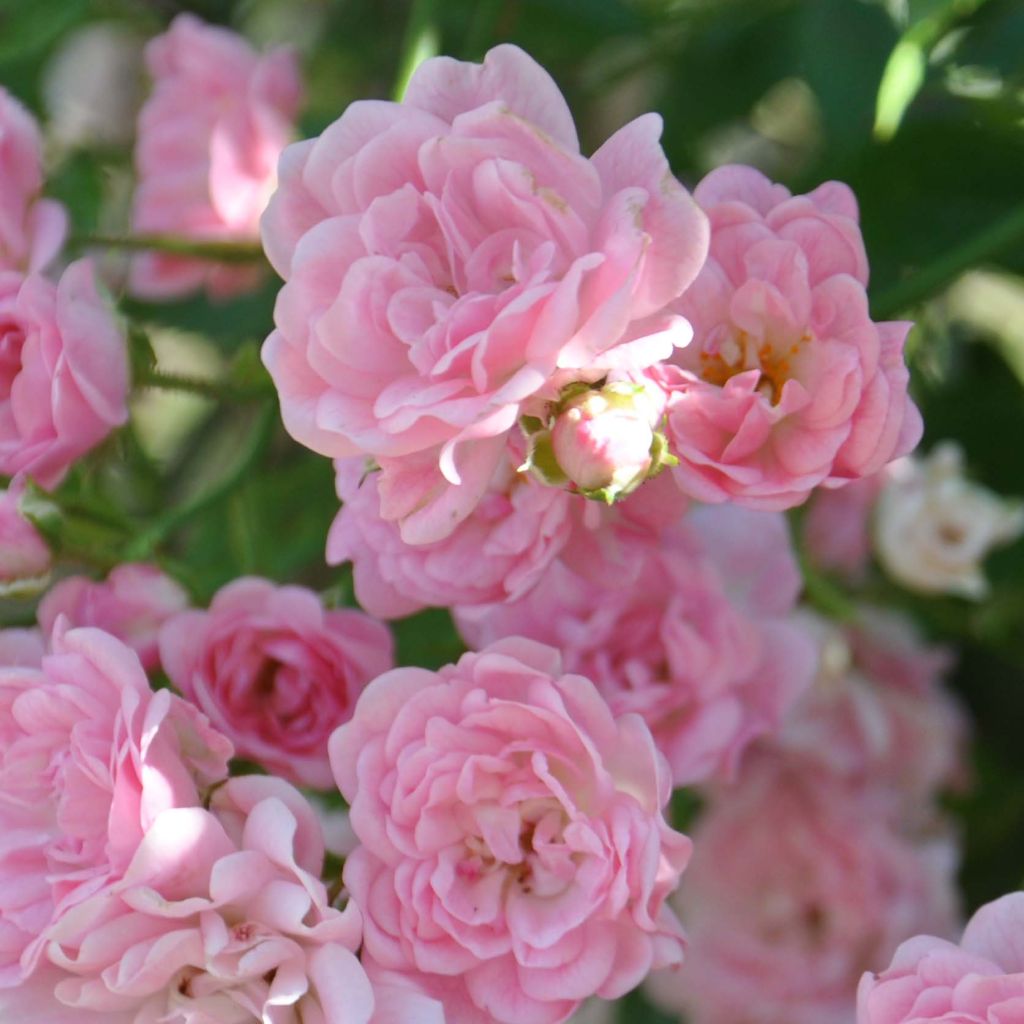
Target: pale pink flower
514,856
797,886
979,981
275,671
452,262
63,372
837,527
209,138
788,384
693,644
24,556
878,714
496,554
32,229
132,603
89,759
220,917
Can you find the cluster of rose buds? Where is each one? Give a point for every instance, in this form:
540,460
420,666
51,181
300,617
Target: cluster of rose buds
570,401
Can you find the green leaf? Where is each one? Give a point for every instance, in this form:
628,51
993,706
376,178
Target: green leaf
907,66
29,26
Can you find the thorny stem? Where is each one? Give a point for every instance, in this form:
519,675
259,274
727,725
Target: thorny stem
218,252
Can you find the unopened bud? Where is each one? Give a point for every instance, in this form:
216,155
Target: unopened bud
603,441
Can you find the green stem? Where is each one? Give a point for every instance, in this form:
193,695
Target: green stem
217,390
153,378
422,40
144,545
932,278
824,596
219,252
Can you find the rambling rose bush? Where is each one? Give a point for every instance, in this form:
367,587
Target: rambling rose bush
451,262
788,384
275,671
514,857
798,884
709,669
90,758
132,603
496,554
32,229
979,981
24,556
209,138
63,372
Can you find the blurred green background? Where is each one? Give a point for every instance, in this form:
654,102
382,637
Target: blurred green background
917,104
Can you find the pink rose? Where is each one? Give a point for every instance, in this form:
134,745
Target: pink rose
24,556
275,672
63,372
220,917
209,138
980,981
496,554
788,384
89,759
797,885
32,229
452,262
708,667
515,859
878,714
132,604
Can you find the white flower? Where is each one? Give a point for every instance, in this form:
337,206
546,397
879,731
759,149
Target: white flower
933,527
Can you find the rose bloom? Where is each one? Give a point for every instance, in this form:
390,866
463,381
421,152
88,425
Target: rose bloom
788,384
496,554
878,713
220,917
24,556
514,856
979,981
452,262
32,229
708,668
209,138
63,372
132,603
89,759
934,528
275,672
798,884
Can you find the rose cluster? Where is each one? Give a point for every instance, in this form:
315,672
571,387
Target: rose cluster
571,402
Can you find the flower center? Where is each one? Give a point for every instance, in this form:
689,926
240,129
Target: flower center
721,360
